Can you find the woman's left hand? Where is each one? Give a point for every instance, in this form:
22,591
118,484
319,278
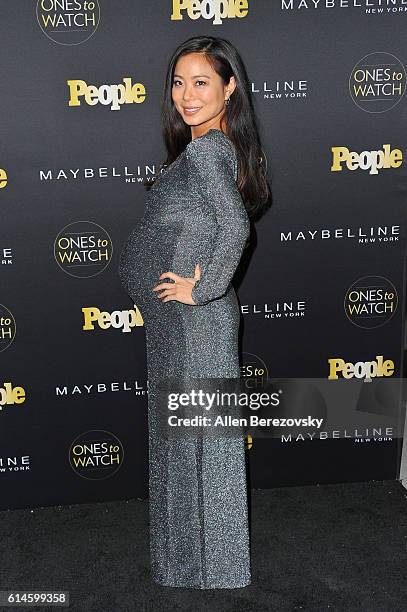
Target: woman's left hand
180,290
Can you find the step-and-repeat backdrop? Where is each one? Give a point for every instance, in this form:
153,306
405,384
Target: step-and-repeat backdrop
320,288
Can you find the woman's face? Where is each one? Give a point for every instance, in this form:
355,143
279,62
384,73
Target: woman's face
198,91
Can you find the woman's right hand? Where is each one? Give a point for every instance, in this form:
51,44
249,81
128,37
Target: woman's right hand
180,290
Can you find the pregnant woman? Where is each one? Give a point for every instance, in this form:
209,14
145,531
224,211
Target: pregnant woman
177,265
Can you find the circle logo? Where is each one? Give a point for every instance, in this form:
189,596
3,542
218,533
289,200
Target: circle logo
377,82
254,372
371,302
83,249
66,22
7,327
96,455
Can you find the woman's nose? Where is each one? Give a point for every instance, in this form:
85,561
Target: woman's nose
187,93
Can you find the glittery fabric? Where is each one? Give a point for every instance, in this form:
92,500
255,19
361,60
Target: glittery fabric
199,532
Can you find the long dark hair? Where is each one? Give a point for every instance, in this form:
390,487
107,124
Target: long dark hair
241,122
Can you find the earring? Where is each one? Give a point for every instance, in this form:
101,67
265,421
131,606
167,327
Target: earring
227,101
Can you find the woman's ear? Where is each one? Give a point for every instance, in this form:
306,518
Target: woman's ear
230,88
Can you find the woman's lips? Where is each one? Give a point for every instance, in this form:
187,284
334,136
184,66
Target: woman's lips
191,110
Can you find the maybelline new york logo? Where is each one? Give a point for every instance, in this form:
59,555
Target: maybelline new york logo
363,235
14,463
6,259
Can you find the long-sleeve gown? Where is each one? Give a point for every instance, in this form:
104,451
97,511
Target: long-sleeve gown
199,531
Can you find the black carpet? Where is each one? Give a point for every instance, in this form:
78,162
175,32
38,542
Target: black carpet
325,547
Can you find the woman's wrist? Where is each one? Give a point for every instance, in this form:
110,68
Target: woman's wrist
196,285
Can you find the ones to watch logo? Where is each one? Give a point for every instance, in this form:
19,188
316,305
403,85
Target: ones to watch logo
371,301
96,455
377,82
83,249
68,22
7,327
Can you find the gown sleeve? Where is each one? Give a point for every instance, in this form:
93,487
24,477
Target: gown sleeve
212,166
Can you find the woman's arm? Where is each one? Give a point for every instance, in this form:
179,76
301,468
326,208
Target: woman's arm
211,164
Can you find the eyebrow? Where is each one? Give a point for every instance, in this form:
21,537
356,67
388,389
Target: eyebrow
195,77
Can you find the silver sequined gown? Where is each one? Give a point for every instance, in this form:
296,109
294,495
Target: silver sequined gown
199,532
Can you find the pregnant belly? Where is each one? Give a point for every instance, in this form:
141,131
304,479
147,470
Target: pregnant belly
147,253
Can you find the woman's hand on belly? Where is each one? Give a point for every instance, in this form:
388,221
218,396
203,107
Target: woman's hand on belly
180,290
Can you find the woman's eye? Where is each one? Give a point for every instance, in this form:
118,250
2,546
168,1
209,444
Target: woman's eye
175,82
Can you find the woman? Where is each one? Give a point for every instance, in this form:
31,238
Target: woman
177,266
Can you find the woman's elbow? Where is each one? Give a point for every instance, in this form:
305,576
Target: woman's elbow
243,230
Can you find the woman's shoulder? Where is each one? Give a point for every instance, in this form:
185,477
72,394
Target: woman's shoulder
214,146
213,140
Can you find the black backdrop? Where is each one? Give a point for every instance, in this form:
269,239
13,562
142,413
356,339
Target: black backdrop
325,80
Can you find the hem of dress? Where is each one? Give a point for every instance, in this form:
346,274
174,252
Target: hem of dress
202,586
